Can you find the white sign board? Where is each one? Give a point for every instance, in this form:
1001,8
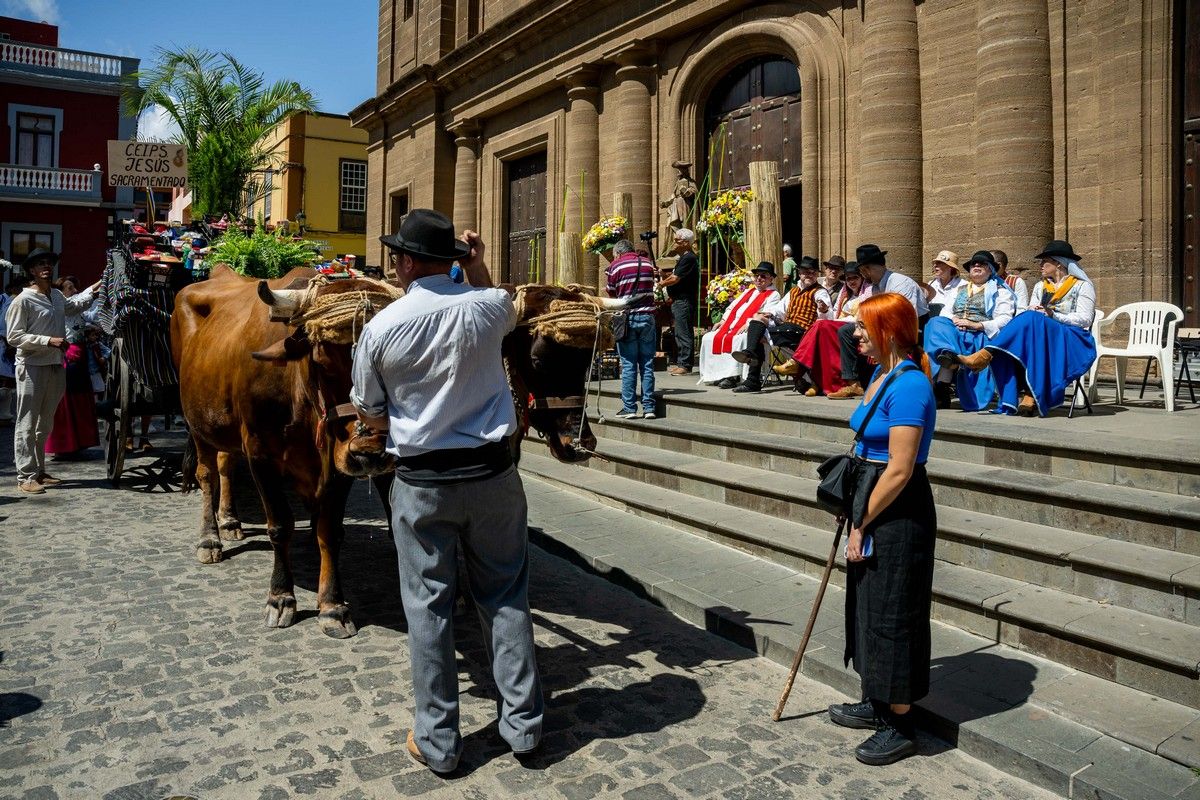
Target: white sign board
154,164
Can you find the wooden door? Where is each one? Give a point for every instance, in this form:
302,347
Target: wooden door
526,252
754,115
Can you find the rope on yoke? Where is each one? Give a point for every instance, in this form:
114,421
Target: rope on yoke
338,317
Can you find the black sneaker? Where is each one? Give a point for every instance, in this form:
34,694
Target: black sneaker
747,386
886,746
947,360
855,715
746,357
727,383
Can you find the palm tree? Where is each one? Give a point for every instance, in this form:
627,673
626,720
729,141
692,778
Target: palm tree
223,109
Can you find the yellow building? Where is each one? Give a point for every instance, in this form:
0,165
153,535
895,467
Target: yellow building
317,181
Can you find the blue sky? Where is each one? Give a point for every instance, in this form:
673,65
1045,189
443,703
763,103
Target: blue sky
327,45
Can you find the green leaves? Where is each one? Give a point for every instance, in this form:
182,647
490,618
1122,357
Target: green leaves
261,254
223,109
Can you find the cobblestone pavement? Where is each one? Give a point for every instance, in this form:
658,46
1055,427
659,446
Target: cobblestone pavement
131,671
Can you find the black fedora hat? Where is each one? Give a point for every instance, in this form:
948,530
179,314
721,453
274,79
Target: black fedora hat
427,233
981,257
866,254
851,268
39,255
765,267
1059,248
837,262
808,262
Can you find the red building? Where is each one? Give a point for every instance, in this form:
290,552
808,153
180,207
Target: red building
58,109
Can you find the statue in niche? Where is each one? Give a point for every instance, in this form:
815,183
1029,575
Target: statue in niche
679,204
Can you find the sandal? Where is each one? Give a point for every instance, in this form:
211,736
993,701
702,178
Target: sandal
145,445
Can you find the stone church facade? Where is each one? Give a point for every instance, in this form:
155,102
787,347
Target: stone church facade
921,126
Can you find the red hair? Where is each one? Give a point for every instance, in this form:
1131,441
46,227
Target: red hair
891,322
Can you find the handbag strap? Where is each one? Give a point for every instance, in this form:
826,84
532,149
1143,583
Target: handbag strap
904,367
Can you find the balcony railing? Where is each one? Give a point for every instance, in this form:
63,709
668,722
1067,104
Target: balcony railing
56,60
50,183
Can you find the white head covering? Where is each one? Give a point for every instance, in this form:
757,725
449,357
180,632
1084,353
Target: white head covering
1073,268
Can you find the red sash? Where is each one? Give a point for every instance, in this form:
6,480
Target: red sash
742,310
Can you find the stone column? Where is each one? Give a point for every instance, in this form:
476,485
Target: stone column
1014,135
582,168
633,167
890,194
466,175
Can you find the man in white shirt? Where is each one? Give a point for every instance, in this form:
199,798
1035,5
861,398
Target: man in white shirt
37,328
873,265
428,370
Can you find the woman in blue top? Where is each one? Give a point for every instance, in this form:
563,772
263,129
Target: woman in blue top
889,576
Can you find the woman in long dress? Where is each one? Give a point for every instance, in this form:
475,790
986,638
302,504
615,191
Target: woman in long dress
818,358
979,310
75,427
1046,349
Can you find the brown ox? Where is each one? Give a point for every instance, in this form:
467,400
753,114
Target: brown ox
284,410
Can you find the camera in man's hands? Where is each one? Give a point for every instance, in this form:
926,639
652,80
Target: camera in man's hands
648,236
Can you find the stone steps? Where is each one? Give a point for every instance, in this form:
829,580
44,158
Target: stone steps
1148,653
1067,731
1097,449
1143,516
714,462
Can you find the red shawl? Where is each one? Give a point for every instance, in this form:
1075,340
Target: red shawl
741,312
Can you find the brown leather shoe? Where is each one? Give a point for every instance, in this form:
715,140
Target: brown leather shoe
810,391
31,487
1027,407
847,392
675,369
789,367
976,361
415,751
46,479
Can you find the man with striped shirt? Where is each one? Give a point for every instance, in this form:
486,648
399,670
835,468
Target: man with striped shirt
633,274
788,321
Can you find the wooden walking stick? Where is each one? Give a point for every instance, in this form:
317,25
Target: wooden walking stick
812,620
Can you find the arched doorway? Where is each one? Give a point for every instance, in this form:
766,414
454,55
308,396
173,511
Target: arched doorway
753,114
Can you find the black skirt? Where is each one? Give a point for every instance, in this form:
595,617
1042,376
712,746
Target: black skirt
888,598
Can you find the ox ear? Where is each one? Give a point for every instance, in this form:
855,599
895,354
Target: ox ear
292,348
284,303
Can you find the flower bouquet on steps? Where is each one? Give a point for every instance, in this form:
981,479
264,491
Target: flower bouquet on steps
601,237
725,217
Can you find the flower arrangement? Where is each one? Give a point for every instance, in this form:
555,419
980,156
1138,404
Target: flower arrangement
605,233
723,289
725,216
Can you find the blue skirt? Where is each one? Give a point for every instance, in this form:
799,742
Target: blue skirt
1044,353
975,389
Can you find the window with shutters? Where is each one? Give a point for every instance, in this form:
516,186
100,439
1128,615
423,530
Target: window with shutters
35,140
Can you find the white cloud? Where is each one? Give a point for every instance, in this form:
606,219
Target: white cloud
38,10
155,125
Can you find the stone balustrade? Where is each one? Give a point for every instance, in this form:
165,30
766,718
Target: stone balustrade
49,182
38,57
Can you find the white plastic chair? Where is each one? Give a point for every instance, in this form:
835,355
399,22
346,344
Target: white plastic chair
1152,330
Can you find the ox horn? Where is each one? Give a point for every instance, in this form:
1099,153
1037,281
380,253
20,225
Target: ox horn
611,303
284,303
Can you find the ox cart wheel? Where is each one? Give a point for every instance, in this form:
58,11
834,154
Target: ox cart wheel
119,392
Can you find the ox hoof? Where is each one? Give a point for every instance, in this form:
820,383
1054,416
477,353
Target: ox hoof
208,551
336,623
231,531
281,611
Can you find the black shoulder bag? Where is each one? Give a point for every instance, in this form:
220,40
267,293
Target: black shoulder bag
841,474
620,320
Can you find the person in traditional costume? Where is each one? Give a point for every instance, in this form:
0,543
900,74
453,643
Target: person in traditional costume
75,428
1015,282
980,309
941,291
873,264
717,364
1044,351
893,527
817,361
832,279
785,322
